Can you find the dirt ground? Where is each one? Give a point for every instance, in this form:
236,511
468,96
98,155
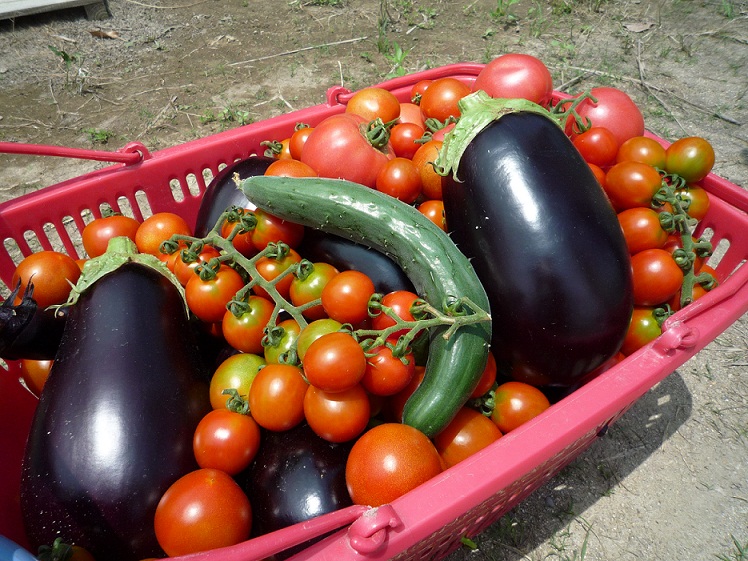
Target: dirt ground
670,479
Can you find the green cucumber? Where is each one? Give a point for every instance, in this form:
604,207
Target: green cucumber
439,272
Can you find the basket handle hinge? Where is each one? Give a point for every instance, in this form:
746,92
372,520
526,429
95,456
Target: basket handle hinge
369,531
677,335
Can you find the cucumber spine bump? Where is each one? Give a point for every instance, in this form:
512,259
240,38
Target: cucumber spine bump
438,270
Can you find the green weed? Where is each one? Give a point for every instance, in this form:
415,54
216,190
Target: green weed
739,554
75,74
396,56
98,136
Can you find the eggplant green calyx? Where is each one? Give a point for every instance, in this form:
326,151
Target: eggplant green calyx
121,250
477,111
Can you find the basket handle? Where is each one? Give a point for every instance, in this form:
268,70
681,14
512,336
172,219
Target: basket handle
130,154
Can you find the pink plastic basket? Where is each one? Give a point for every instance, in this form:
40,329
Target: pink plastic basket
429,522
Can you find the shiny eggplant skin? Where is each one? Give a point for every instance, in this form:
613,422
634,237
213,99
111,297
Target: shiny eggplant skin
294,477
222,192
547,247
114,425
348,255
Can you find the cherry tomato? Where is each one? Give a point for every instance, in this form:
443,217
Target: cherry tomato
97,233
516,75
270,228
431,182
401,179
374,103
276,397
515,403
388,461
314,331
34,374
307,286
242,241
237,372
338,416
345,297
598,146
185,271
675,242
442,132
226,440
434,210
403,137
613,110
207,299
695,200
393,407
204,509
642,329
598,172
338,148
290,168
656,277
386,374
281,341
487,379
642,149
411,113
691,158
156,229
642,229
400,301
297,140
245,333
270,268
334,362
278,149
416,92
439,101
51,273
631,184
468,433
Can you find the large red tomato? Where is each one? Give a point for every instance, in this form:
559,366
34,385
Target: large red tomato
614,110
516,75
339,148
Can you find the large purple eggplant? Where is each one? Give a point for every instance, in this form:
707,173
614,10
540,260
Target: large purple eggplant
545,243
114,425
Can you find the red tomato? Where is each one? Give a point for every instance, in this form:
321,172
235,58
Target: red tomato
98,232
207,299
270,268
156,229
374,103
515,403
410,113
338,416
642,149
226,440
334,362
237,372
245,333
242,240
388,461
404,137
185,271
631,184
51,273
597,146
386,374
401,179
442,132
400,301
439,101
314,331
487,379
205,509
656,277
641,228
271,229
691,158
297,140
34,374
280,342
290,168
695,200
674,245
598,172
516,75
642,329
431,182
468,433
339,148
614,110
277,149
345,297
276,397
394,405
417,90
434,211
307,286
